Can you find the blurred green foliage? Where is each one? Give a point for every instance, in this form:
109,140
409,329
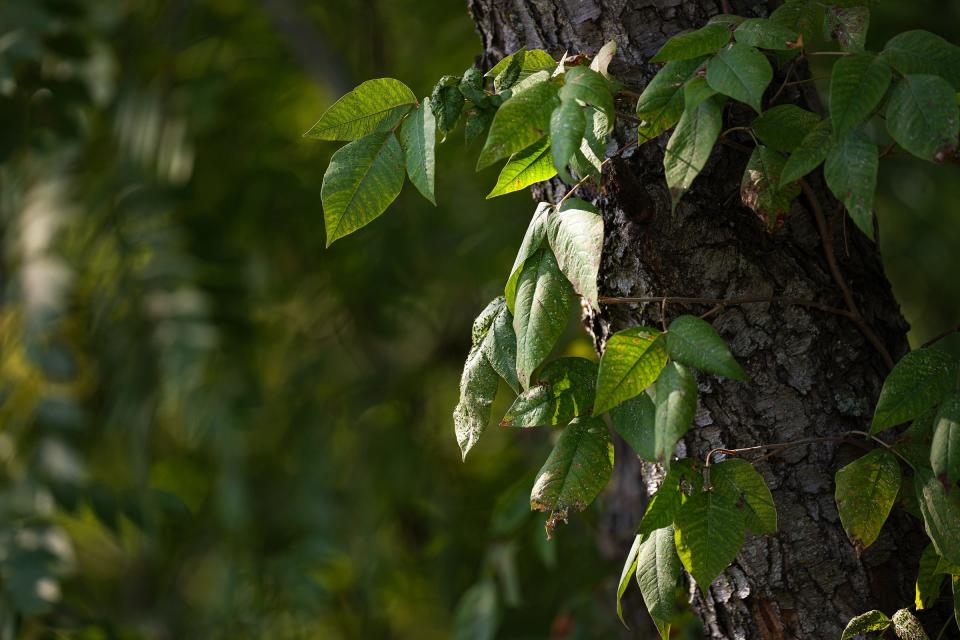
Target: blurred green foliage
213,427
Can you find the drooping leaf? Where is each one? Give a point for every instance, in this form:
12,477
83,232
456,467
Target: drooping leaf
709,533
533,61
923,117
575,232
478,121
763,191
676,402
520,121
541,309
478,384
923,52
851,173
577,469
658,571
665,503
766,34
589,87
525,168
741,72
919,381
907,627
848,26
511,73
532,240
418,135
471,86
695,91
477,615
662,102
363,178
690,146
626,574
633,419
694,44
929,582
588,160
631,362
945,450
447,103
857,85
785,126
739,480
866,491
500,345
374,106
941,512
812,151
564,390
603,58
865,623
567,126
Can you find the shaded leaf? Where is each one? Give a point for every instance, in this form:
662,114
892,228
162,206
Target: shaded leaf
929,582
857,85
676,403
865,623
762,190
662,102
695,91
945,450
690,146
520,121
590,88
478,121
418,138
923,117
633,419
709,533
924,53
447,103
575,232
588,160
812,151
851,173
374,106
567,127
631,362
533,61
665,503
629,568
563,391
941,512
785,126
524,168
477,615
741,72
739,480
694,44
658,571
865,493
919,381
848,26
533,238
471,86
766,34
363,178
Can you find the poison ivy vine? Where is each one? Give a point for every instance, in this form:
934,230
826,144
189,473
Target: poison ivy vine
550,118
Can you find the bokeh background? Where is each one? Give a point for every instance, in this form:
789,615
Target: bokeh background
212,427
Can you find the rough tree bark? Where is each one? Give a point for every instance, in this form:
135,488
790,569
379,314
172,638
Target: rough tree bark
813,374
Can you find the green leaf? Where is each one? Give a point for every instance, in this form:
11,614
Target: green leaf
865,623
906,626
914,443
740,481
945,451
477,615
541,309
694,342
374,106
590,88
629,567
575,232
741,72
478,121
851,173
363,178
696,91
857,85
848,26
919,381
923,117
447,103
662,102
866,491
567,126
929,582
577,469
762,190
766,34
471,86
520,121
631,362
532,239
525,168
563,391
533,61
798,16
418,135
941,512
690,146
658,571
785,126
588,160
812,151
709,533
500,345
694,44
925,53
945,567
633,419
478,384
665,503
511,73
676,402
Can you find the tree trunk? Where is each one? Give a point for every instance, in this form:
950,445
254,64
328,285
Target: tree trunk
812,373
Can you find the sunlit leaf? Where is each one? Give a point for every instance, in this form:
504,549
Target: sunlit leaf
626,575
866,491
520,121
418,139
709,533
865,623
590,88
575,232
929,582
631,362
374,106
740,480
658,571
662,102
567,126
676,404
532,240
524,168
564,389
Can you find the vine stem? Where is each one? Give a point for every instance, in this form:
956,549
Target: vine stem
937,338
825,238
720,303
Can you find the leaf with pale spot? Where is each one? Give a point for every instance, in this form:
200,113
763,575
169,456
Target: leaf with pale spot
690,146
848,26
865,493
741,72
363,178
524,168
763,191
658,571
418,135
676,404
662,102
865,623
851,173
374,106
923,117
631,362
709,533
564,390
575,232
945,450
919,381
